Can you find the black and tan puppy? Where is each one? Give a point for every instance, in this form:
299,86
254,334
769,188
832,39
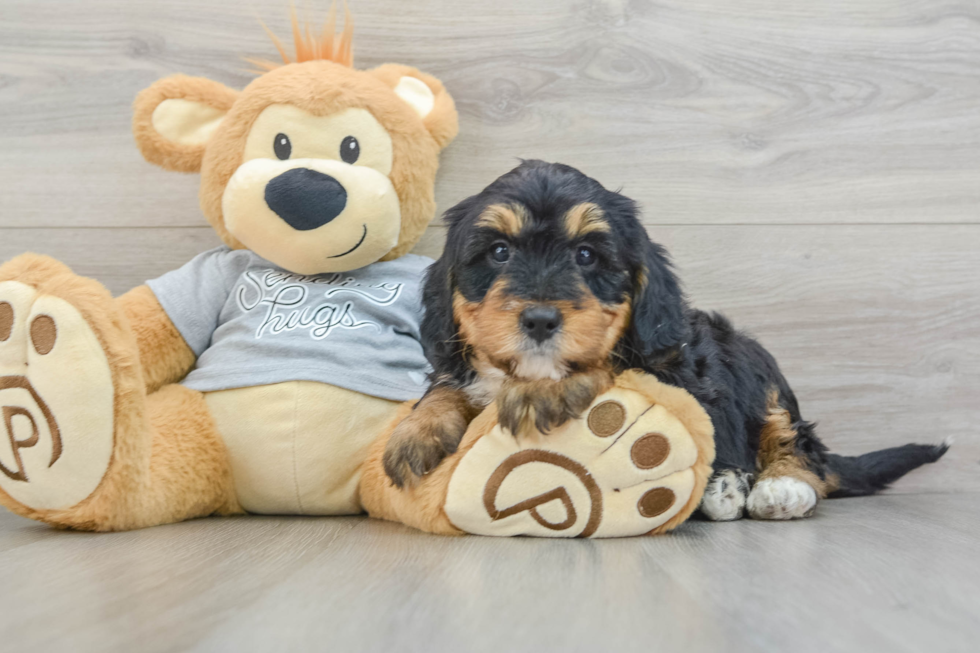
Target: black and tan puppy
548,286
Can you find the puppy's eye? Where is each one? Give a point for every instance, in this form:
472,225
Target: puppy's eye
500,252
282,147
585,256
350,149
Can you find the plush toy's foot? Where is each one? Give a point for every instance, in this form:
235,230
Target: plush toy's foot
81,446
56,390
635,463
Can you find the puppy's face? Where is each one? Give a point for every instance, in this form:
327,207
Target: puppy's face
541,286
548,285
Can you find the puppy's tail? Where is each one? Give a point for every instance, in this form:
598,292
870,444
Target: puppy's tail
868,473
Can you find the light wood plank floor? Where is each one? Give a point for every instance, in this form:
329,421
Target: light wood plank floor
888,573
814,167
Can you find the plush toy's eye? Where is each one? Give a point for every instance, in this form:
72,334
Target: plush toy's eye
283,148
350,149
500,252
585,256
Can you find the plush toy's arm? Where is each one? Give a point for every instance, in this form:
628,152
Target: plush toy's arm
164,355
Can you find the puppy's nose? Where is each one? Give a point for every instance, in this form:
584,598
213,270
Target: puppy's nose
305,199
540,322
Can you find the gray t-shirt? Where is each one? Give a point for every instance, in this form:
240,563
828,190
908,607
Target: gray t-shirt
252,323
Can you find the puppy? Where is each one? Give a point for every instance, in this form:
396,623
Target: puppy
548,286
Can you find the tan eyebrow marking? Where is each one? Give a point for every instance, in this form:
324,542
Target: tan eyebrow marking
584,219
507,219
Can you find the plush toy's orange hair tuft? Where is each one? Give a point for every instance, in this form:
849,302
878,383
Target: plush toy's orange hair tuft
326,46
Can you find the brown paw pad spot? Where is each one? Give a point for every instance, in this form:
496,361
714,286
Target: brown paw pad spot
43,334
650,451
6,320
655,502
607,418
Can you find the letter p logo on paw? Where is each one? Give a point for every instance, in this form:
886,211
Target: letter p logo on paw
22,427
623,468
56,401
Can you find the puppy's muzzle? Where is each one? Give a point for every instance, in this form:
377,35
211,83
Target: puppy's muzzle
540,322
305,199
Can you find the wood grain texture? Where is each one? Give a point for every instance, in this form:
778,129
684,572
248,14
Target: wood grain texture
764,111
812,166
873,574
876,326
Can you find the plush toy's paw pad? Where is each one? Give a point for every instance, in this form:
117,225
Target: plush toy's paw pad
56,401
623,468
783,497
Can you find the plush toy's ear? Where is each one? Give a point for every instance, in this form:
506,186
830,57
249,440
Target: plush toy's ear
174,118
426,96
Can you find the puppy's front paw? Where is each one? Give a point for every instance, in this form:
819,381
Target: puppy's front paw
724,498
782,497
546,404
419,444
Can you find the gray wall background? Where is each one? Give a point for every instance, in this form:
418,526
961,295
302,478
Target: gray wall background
813,167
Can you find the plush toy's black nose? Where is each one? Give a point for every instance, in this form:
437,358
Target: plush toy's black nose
305,199
540,322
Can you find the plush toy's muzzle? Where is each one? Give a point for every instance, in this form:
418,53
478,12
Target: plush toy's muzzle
315,166
312,215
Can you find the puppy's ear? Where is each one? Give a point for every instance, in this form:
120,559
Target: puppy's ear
174,118
658,321
441,341
440,335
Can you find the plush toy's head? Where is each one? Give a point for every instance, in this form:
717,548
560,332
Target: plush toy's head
315,166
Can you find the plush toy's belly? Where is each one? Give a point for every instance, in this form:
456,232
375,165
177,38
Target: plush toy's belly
297,447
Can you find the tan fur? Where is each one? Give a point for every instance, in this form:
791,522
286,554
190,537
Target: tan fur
168,462
591,329
442,122
585,219
491,329
546,403
423,505
322,88
419,506
155,148
438,406
435,426
508,220
777,451
678,402
164,355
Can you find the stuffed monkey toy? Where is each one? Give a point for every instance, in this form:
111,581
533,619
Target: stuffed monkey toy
264,376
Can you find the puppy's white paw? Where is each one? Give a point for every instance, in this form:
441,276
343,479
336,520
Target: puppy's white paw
724,498
782,497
